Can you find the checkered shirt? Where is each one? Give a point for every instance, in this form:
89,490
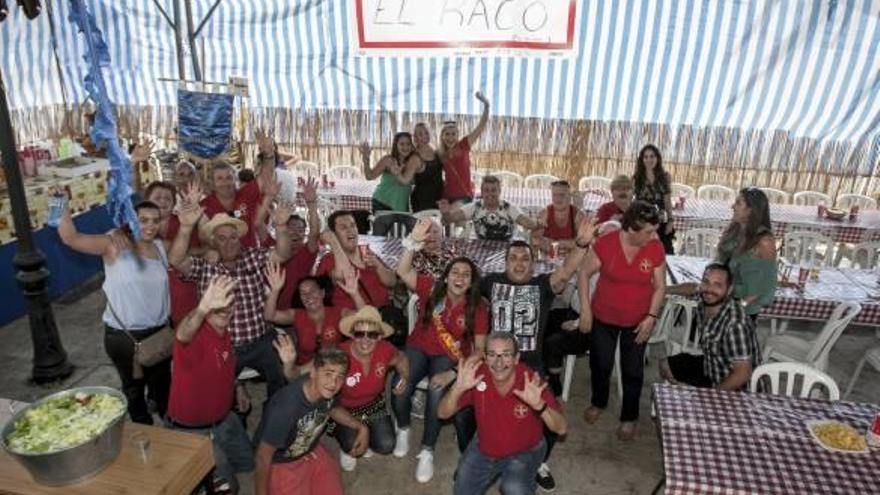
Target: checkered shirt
247,323
726,338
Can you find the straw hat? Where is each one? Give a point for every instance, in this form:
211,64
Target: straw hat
365,314
219,220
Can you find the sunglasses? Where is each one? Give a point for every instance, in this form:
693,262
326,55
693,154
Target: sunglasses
361,334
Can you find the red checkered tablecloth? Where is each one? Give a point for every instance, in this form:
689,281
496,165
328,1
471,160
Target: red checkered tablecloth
815,302
723,442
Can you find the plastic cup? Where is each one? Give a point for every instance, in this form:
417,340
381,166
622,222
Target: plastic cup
803,275
140,441
364,250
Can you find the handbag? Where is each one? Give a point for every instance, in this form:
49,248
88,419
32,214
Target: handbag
149,351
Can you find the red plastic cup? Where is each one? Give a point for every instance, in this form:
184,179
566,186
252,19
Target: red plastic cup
803,275
875,426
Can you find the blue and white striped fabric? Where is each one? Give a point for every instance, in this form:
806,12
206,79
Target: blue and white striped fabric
808,68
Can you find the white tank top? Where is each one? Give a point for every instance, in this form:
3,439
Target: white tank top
138,293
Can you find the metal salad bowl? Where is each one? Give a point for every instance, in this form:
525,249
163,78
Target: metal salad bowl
76,463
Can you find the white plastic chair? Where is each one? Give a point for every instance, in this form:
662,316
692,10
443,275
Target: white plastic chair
808,249
811,198
699,242
715,192
679,189
398,229
477,179
865,255
786,347
594,183
507,178
345,172
539,181
571,359
678,319
427,214
845,201
775,196
810,377
872,357
305,168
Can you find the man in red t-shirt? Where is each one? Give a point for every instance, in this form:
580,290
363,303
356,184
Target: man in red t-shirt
203,389
512,405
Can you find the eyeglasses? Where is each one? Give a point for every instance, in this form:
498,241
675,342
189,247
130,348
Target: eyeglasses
506,355
361,334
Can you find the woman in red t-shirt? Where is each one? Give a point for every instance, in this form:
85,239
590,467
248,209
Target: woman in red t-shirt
370,358
455,155
452,324
315,322
629,293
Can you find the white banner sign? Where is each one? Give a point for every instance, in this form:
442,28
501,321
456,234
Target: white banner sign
465,25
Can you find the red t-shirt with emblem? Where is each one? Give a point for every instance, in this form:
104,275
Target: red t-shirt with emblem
623,292
184,295
247,201
296,268
425,337
457,170
363,387
202,378
506,425
372,290
309,339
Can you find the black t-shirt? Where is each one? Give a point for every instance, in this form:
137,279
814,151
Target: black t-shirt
521,309
292,424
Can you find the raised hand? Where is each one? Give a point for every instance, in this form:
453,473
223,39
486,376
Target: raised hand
365,150
282,213
284,347
467,373
349,282
218,295
370,260
586,231
190,195
189,214
310,190
420,230
531,391
142,151
275,275
480,96
265,142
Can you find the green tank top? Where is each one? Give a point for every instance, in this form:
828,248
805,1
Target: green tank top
752,276
392,193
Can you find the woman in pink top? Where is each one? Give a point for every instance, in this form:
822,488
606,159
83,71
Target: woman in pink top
455,154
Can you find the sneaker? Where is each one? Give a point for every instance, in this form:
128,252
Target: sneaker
369,453
401,447
425,469
346,461
545,478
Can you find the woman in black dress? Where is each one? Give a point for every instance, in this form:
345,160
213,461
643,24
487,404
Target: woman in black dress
654,185
428,181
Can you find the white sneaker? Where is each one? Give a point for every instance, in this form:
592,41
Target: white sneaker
401,447
346,461
425,469
369,453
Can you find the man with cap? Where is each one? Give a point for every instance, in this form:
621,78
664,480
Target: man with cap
251,337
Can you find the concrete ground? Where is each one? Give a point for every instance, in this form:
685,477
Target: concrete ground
589,461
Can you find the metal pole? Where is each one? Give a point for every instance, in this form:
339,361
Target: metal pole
178,42
191,39
50,358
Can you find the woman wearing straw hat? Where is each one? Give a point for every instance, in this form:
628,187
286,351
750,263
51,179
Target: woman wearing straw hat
370,357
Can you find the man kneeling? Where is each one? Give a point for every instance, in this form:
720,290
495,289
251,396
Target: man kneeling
290,458
511,406
727,337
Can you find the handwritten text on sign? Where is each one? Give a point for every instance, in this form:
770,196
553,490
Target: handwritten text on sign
528,24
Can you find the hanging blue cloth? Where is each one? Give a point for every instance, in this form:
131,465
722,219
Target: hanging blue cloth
103,132
204,122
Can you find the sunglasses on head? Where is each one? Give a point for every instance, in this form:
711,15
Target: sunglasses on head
365,334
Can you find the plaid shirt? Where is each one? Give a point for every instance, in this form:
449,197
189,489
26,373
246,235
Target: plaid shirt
247,323
727,337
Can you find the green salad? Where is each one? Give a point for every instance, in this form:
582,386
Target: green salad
64,422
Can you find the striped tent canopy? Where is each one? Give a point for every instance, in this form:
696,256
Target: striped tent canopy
748,87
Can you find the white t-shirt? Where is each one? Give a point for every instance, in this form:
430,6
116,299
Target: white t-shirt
496,225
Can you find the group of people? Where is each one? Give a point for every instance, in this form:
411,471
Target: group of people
237,275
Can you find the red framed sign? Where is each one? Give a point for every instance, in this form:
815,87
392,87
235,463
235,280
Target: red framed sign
544,25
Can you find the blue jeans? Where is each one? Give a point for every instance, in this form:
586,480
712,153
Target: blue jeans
477,471
233,452
261,356
422,365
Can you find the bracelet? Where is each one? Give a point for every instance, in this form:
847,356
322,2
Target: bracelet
541,411
582,247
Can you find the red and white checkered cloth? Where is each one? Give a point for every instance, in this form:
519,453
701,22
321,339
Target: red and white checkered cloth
723,442
818,298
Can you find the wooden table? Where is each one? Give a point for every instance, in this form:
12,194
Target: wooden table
178,463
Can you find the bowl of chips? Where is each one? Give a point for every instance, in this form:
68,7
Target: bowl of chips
836,436
834,214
